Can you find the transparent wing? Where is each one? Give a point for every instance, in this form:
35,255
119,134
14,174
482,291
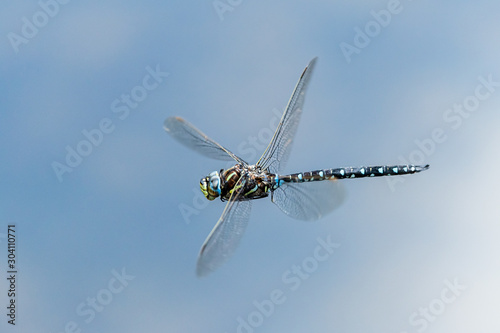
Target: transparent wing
309,201
276,154
225,236
195,139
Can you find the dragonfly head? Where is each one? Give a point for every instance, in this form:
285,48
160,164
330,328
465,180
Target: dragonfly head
210,185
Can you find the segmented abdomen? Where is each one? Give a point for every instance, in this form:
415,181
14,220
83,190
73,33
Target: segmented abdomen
341,173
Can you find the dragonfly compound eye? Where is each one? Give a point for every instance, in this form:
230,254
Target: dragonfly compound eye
210,186
214,184
204,186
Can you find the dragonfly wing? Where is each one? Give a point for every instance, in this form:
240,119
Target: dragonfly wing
195,139
225,236
276,154
309,201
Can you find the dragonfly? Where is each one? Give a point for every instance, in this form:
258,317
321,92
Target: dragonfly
303,195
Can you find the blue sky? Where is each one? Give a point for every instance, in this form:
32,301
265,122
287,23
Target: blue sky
104,247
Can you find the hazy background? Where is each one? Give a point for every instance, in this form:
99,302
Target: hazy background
120,209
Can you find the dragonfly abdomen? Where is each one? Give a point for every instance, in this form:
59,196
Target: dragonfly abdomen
342,173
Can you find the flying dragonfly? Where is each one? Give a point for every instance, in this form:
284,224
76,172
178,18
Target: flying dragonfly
304,195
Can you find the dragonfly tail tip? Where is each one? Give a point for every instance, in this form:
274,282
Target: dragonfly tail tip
420,168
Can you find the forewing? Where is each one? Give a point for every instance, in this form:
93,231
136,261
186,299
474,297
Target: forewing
225,236
309,201
193,138
276,154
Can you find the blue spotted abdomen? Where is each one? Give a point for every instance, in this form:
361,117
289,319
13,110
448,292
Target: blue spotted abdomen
341,173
